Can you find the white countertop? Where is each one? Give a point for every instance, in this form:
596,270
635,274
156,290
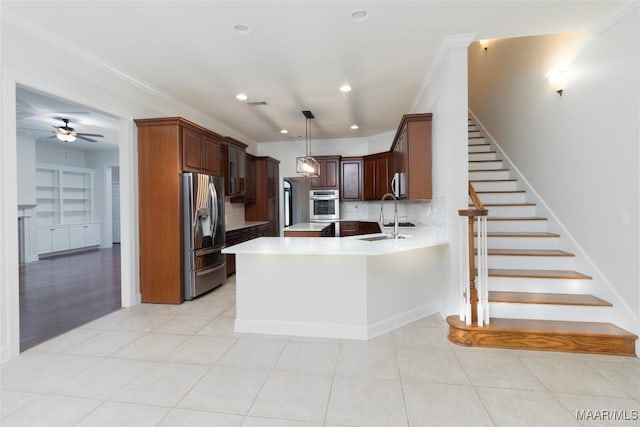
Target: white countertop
246,224
417,238
308,226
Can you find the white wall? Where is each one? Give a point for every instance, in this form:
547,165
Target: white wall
58,154
445,95
101,161
68,73
580,152
26,151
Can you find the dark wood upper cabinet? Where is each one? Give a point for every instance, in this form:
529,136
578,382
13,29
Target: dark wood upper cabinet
202,150
250,173
265,207
235,174
351,178
329,173
167,147
377,176
411,150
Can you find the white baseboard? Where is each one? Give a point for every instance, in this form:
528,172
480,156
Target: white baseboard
401,319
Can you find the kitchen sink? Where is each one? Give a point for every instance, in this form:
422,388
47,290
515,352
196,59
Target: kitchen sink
380,237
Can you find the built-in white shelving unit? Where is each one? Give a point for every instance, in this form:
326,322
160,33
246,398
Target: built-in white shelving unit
64,211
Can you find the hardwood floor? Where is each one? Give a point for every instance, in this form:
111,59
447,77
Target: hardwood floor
60,293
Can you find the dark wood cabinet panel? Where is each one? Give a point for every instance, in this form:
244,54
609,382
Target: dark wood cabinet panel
167,147
356,228
377,176
265,207
212,155
250,173
191,150
328,231
412,155
235,174
329,173
242,235
351,178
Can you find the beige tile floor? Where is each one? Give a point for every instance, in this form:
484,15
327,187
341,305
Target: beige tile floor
184,366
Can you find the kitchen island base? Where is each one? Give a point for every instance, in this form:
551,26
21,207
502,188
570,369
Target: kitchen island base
335,295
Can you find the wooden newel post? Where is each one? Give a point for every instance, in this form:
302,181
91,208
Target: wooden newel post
471,215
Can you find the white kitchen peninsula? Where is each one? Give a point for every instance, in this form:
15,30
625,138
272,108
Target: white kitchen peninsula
337,287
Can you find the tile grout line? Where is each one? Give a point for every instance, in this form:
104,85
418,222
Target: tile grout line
333,377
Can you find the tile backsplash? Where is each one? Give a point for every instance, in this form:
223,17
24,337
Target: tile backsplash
233,212
421,213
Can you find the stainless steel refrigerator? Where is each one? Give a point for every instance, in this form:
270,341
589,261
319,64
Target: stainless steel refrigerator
203,233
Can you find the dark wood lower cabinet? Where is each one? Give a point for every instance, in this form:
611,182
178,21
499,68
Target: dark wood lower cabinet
240,235
357,228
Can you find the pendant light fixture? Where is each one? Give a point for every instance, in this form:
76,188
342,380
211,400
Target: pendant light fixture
308,166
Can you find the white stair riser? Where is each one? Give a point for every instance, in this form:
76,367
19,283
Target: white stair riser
495,186
483,156
479,148
474,132
488,198
551,312
532,262
511,210
489,175
524,242
517,225
554,286
473,141
497,164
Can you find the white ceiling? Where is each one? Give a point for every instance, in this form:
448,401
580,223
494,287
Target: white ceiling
38,114
297,54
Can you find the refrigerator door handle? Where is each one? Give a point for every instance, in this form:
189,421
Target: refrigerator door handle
214,209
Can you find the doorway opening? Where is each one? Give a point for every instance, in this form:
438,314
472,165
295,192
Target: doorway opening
69,272
296,200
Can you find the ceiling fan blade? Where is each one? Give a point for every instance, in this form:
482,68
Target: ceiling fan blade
79,136
90,134
38,130
52,136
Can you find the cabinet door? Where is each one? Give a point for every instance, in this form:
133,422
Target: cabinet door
43,237
369,187
383,180
60,239
212,153
76,236
331,173
92,234
191,150
250,188
351,179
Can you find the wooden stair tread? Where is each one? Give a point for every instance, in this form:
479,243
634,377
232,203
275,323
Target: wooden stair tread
501,191
536,325
520,234
537,274
478,145
484,161
476,137
506,204
547,298
489,170
516,218
494,180
529,252
549,335
482,152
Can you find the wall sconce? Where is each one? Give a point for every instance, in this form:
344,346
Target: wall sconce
484,44
557,80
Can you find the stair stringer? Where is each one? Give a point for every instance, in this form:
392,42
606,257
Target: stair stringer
621,313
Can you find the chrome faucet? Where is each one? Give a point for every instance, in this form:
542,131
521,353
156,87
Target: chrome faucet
395,214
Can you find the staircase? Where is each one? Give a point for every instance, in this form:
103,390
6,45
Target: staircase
537,300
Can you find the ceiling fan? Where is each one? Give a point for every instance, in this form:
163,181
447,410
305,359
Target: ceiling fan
68,134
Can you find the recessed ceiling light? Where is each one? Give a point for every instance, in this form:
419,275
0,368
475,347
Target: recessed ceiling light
345,88
242,29
358,15
283,131
241,97
354,127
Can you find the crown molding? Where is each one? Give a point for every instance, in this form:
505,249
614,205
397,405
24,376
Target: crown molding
448,42
625,8
62,44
